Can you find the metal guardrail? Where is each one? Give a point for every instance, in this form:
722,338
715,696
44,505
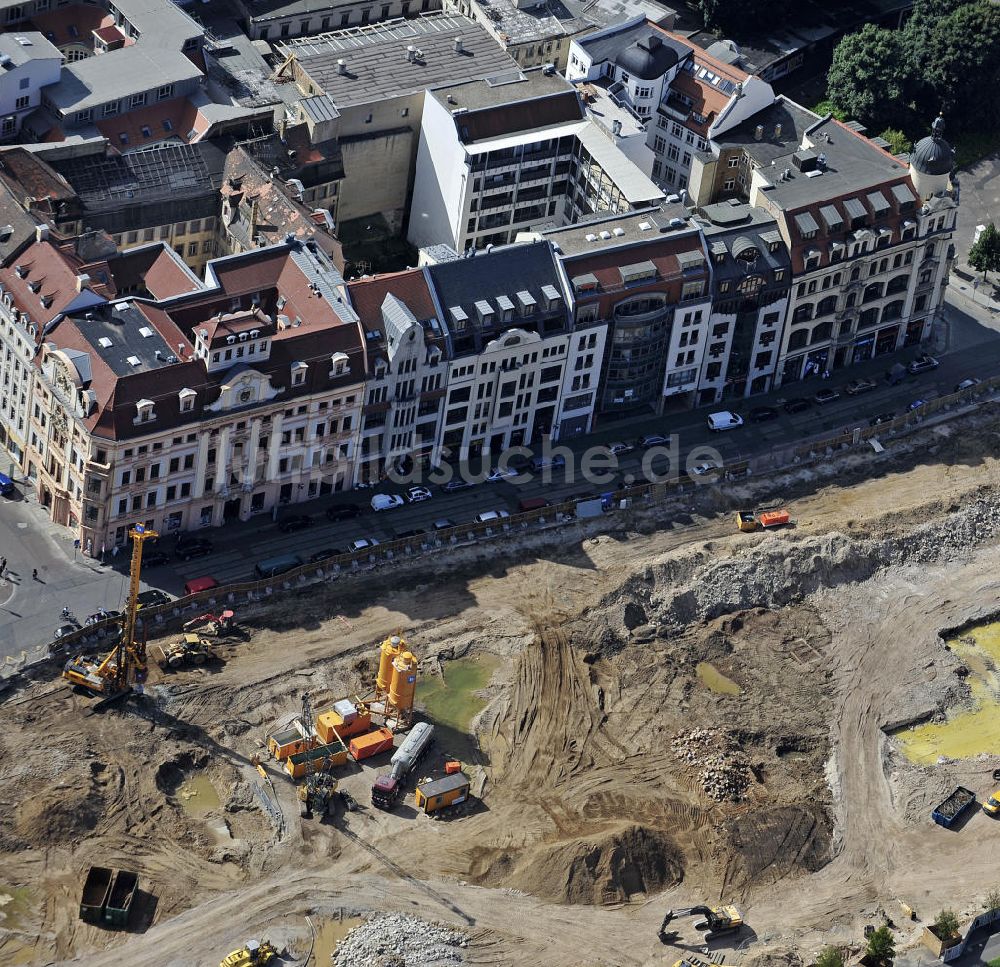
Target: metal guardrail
254,591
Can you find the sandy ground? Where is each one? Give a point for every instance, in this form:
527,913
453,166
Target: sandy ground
614,784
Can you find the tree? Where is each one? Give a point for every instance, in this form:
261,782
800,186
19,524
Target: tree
992,900
984,256
946,925
899,143
830,957
868,75
959,51
882,947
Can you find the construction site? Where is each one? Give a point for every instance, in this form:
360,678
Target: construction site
652,736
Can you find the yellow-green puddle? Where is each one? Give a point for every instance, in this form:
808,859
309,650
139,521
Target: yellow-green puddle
709,675
450,699
966,732
198,795
329,933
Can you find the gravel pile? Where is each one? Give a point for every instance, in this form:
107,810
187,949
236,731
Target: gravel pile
723,769
394,940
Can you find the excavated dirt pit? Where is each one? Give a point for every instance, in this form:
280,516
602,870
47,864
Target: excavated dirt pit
609,770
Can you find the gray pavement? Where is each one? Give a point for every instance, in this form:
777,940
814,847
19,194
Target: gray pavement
30,611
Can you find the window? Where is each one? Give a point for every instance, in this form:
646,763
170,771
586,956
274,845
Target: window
733,162
165,91
137,100
22,102
110,109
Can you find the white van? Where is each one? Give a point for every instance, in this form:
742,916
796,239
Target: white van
726,420
490,516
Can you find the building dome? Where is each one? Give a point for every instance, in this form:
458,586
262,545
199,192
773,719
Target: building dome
647,59
933,155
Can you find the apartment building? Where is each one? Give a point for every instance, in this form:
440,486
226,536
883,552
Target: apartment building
661,97
511,153
644,278
28,62
276,20
868,257
535,34
520,369
751,280
210,401
365,88
168,193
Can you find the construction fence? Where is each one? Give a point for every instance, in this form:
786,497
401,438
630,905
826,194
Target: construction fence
246,594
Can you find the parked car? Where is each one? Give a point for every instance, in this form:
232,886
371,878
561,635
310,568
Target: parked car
923,364
618,449
857,386
797,405
151,598
895,374
761,414
342,511
555,461
724,420
155,559
701,469
652,440
502,473
324,555
443,524
414,532
966,383
881,418
196,548
296,522
826,396
364,544
415,494
66,629
491,516
456,483
916,404
387,501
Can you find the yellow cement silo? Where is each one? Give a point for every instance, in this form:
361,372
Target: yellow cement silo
404,681
391,647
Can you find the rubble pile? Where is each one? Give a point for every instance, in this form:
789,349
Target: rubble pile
394,940
723,768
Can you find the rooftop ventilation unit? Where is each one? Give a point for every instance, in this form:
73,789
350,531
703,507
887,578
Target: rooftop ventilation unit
645,226
145,332
134,361
104,342
758,132
458,45
619,232
605,235
342,66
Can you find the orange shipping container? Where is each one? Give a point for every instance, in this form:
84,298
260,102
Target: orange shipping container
365,746
450,768
774,518
330,723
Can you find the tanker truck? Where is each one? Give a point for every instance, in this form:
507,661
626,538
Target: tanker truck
387,789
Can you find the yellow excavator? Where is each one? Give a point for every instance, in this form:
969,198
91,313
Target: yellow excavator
718,921
125,664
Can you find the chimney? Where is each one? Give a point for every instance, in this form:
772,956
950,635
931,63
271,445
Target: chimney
758,132
341,66
777,131
41,233
616,128
82,282
458,45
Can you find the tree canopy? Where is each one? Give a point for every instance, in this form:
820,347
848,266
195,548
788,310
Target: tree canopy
984,256
830,957
882,946
867,77
734,16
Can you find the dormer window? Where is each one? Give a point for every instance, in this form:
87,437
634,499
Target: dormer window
144,412
338,364
299,373
380,370
187,398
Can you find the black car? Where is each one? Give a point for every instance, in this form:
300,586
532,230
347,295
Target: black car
556,461
342,511
456,483
155,559
151,598
761,414
196,548
67,629
881,418
798,405
296,522
325,555
416,532
826,396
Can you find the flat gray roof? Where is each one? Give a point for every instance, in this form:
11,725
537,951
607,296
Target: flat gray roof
376,62
611,231
159,24
92,82
24,45
627,176
504,89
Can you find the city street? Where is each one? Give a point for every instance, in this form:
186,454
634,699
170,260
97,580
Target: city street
30,610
